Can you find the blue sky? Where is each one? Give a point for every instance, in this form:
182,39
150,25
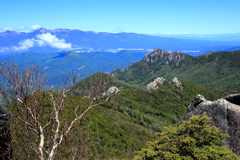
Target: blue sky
138,16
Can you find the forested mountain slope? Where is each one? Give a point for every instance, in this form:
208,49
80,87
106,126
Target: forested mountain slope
133,116
219,69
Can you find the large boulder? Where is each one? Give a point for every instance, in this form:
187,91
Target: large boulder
225,114
5,137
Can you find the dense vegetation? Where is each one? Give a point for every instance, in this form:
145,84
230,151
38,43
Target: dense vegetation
219,70
133,116
104,133
192,140
85,85
114,130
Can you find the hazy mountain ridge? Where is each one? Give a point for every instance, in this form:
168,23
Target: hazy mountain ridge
217,37
57,65
12,42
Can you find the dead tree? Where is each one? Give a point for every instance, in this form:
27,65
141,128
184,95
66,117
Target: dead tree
37,110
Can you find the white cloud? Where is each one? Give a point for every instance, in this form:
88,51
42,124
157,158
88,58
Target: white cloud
35,27
6,29
41,40
25,45
47,39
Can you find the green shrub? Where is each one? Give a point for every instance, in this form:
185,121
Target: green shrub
192,140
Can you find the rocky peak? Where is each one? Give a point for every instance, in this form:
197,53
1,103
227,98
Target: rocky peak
164,56
225,114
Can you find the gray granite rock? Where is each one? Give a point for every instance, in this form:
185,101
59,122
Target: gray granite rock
164,56
111,91
225,114
153,85
177,83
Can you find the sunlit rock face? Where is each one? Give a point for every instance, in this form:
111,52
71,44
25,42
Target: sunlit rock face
177,83
164,56
225,114
111,91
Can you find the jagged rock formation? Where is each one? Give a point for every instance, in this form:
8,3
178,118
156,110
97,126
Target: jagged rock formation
111,91
5,138
225,113
153,85
165,56
177,83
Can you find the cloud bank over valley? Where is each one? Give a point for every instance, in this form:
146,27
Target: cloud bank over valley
41,40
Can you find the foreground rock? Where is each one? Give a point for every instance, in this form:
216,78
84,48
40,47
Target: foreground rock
225,113
5,138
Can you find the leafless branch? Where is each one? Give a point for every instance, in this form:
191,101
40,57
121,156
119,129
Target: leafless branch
40,109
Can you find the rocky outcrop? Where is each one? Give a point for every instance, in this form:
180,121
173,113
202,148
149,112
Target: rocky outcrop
111,91
5,138
225,114
177,83
164,56
153,85
160,80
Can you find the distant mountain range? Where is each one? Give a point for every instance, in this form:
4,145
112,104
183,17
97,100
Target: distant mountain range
213,37
45,41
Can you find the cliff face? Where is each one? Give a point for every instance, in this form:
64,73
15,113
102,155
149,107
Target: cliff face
225,113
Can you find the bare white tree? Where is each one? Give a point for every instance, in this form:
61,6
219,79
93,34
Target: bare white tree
37,111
